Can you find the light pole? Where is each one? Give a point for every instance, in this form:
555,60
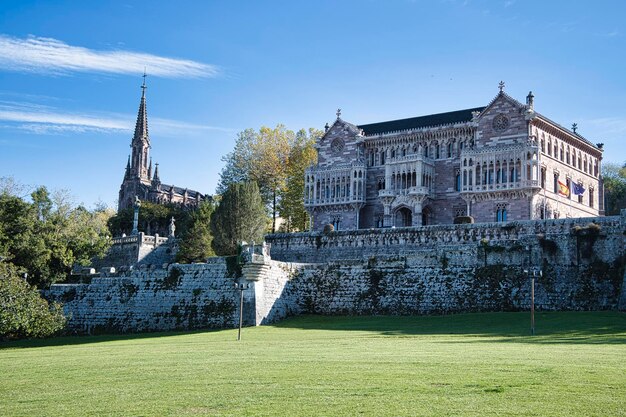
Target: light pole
533,274
241,286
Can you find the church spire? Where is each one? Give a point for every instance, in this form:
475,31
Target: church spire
141,127
156,179
127,173
141,140
150,168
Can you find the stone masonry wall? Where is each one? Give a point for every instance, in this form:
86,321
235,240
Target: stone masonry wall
148,299
434,270
317,247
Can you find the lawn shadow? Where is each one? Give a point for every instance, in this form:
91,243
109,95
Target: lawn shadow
599,327
86,339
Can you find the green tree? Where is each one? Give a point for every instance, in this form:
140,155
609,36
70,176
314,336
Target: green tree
23,312
301,156
153,218
195,244
240,216
614,179
264,157
46,237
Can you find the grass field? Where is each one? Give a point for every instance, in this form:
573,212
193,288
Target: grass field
471,364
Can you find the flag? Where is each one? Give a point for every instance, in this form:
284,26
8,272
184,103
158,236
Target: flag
577,189
563,189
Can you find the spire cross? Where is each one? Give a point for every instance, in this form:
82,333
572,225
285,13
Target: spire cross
338,113
501,86
143,86
574,127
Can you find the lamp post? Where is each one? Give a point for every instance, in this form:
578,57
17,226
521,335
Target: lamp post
241,286
533,273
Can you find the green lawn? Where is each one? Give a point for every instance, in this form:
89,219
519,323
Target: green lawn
471,364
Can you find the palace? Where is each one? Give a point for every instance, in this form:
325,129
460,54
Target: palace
140,181
496,163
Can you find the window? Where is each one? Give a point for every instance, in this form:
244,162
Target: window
457,181
591,197
436,151
449,150
543,178
426,151
501,212
556,183
382,158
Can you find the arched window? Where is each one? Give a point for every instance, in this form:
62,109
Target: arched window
449,150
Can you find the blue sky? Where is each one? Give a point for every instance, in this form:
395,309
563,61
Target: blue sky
70,74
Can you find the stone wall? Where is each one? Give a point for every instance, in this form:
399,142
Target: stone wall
431,270
150,299
139,249
317,247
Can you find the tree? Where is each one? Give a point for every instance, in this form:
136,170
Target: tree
195,245
264,157
23,312
153,218
240,216
46,237
614,179
301,156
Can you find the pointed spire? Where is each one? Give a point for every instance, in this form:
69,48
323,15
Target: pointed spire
156,179
141,127
150,168
127,173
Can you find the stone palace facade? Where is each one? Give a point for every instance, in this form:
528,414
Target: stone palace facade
140,180
496,163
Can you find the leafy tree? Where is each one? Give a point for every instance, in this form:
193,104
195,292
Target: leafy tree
23,312
264,157
46,237
614,178
195,245
301,156
153,218
240,216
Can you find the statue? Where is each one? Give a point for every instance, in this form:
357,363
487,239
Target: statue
172,228
136,205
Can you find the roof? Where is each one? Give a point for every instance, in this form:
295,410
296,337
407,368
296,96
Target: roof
438,119
180,191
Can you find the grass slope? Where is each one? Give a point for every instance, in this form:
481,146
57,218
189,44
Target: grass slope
471,364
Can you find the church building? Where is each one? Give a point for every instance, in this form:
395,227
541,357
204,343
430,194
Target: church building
496,163
140,180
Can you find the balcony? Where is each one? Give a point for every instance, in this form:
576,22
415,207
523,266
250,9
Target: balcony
500,186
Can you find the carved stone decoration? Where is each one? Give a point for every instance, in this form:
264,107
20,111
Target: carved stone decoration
337,145
500,123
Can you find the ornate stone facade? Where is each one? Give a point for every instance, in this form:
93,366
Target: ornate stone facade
139,179
496,163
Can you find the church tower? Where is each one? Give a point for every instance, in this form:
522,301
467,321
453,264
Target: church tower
138,169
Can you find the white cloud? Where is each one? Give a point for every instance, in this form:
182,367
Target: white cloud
48,55
38,119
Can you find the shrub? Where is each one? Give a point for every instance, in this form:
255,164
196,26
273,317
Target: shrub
23,312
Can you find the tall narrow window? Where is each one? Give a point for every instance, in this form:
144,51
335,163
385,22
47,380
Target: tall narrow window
591,197
556,184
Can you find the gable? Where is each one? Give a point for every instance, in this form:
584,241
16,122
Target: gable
501,121
339,144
